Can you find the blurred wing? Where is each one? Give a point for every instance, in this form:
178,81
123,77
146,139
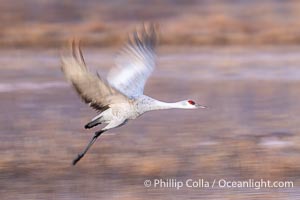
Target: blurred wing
135,63
91,88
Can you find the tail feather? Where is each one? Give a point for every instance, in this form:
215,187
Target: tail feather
92,124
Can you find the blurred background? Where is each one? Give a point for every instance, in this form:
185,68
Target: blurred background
241,58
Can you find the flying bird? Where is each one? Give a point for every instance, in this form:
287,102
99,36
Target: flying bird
120,96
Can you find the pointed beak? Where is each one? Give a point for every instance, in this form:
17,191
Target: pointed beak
200,106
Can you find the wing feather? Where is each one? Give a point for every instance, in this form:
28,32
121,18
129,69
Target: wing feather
91,88
135,63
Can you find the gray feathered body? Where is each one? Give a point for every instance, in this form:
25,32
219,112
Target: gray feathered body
126,111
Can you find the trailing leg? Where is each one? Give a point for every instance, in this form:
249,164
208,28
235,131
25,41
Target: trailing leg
94,138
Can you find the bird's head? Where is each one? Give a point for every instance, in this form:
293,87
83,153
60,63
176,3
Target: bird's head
190,104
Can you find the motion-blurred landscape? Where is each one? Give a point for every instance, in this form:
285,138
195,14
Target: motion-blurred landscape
39,23
240,58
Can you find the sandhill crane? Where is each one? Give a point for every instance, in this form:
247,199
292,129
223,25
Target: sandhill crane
119,97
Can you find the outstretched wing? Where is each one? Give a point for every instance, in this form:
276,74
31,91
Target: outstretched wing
135,63
91,88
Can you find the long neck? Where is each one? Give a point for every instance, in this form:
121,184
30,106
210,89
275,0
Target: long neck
159,105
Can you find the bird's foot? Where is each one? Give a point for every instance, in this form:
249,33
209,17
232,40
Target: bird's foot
79,156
